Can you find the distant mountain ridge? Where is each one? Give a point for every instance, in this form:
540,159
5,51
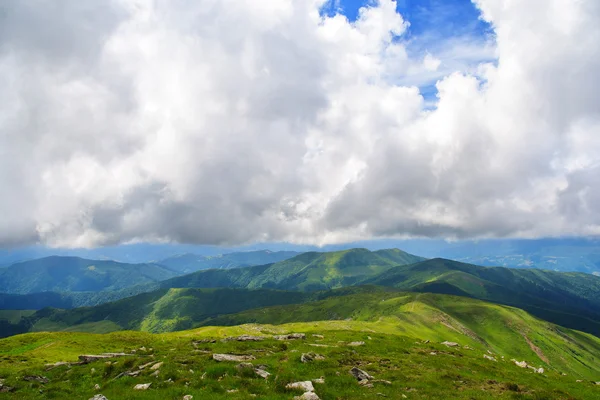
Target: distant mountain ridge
188,262
74,274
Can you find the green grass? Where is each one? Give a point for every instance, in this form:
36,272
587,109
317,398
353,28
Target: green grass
401,359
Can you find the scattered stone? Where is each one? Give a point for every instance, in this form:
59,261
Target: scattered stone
540,370
307,386
88,358
142,348
93,371
128,373
426,341
521,364
381,381
320,345
290,336
155,373
188,397
142,386
6,389
146,365
232,391
404,396
244,338
232,357
365,383
450,344
99,397
578,381
381,394
56,365
262,373
360,374
433,353
307,396
309,357
489,358
202,341
36,378
96,387
319,380
356,344
318,336
156,366
244,365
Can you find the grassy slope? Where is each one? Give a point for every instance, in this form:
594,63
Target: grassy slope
389,354
571,299
62,274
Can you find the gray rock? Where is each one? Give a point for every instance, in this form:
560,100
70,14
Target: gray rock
356,344
450,344
188,397
262,373
307,386
307,396
309,357
99,397
244,338
36,378
290,336
142,386
360,374
232,357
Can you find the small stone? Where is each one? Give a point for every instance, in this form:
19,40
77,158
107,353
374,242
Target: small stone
307,386
98,397
96,387
307,396
319,380
232,357
318,336
365,383
489,358
232,391
433,353
142,386
290,336
36,378
521,364
262,373
450,344
155,373
356,344
188,397
156,366
93,371
309,357
244,338
360,374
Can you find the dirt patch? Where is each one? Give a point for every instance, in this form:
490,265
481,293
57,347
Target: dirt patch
536,349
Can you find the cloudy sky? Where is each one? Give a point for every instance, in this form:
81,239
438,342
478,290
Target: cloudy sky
306,121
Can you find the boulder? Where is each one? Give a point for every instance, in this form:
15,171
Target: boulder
307,386
142,386
232,357
318,336
521,364
360,374
489,357
156,366
188,397
96,387
320,380
262,373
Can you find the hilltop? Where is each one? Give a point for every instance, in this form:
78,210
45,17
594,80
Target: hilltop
186,263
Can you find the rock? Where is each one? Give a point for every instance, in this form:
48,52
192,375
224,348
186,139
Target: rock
356,344
142,348
307,386
128,373
320,345
360,374
232,357
433,353
56,365
188,397
521,364
146,365
36,378
155,373
201,341
96,387
6,389
450,344
244,338
381,381
489,358
539,370
262,373
156,366
232,391
88,358
578,381
142,386
318,336
290,336
365,383
307,396
99,397
309,357
244,365
319,380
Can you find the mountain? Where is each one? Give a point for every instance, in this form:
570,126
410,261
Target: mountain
186,263
571,299
307,271
74,274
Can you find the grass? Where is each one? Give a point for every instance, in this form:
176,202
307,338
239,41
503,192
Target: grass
404,361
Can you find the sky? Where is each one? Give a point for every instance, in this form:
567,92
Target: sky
232,122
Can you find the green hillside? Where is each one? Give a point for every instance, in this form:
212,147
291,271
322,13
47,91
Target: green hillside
186,263
569,299
74,274
394,337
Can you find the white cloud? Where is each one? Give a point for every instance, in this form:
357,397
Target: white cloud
232,122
